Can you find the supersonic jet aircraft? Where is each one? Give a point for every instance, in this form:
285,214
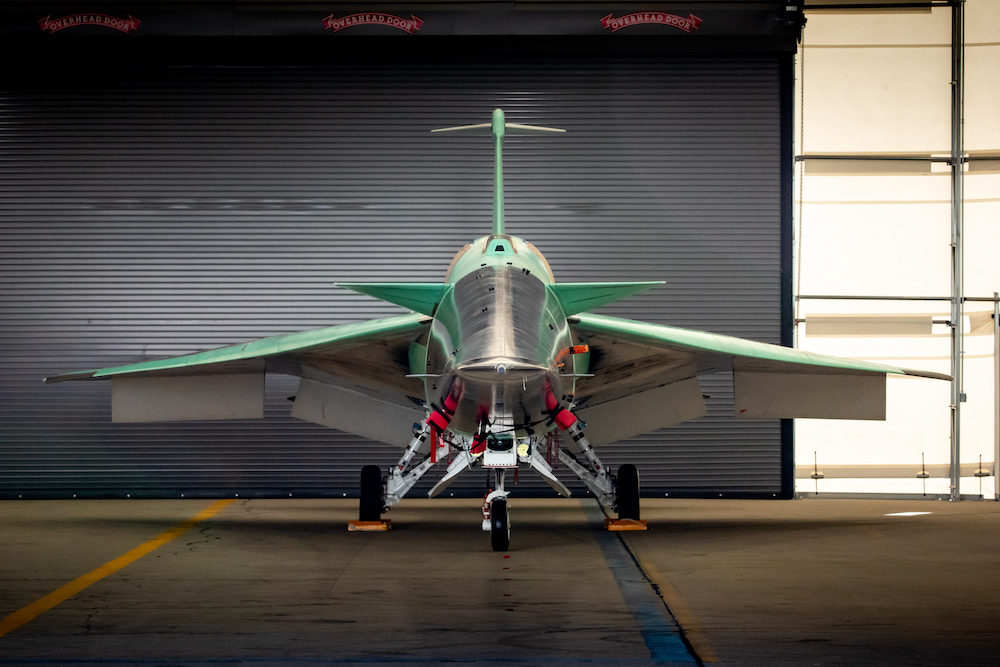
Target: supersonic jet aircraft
489,363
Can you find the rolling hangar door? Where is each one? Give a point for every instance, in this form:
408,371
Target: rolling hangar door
160,201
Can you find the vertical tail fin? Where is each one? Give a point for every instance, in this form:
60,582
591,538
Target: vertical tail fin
499,128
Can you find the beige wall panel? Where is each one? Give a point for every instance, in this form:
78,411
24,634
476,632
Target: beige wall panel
875,249
982,244
982,94
917,423
876,99
868,27
876,187
982,21
872,233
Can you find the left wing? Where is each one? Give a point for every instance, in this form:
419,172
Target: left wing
341,367
644,377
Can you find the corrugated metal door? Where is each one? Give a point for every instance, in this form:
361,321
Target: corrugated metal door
155,211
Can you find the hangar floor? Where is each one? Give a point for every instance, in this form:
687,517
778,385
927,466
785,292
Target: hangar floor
811,582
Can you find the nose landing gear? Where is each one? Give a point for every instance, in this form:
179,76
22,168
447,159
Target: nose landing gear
496,518
499,525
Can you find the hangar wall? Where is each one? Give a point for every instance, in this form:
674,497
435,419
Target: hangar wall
876,83
155,210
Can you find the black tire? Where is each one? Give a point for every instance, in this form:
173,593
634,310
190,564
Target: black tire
370,507
628,492
499,525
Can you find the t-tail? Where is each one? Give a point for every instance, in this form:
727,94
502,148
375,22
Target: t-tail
499,128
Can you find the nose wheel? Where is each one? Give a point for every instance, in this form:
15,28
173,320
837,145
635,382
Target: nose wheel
496,517
499,525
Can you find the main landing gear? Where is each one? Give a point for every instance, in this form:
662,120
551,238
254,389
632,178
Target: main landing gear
372,494
378,495
627,492
616,493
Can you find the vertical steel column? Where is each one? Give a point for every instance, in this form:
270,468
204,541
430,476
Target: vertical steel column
996,396
957,268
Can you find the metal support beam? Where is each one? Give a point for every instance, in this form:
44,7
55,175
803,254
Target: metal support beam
868,157
855,6
996,396
866,297
957,259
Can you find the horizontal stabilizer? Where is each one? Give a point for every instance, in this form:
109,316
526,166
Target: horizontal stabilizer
418,297
487,128
578,297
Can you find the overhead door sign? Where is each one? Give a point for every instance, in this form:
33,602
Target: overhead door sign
689,24
103,20
409,25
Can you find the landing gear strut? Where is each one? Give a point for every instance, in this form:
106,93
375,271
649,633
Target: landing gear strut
587,466
378,496
616,494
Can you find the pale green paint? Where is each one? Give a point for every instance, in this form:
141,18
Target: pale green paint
423,297
523,256
417,355
500,247
420,297
658,335
578,297
296,343
499,129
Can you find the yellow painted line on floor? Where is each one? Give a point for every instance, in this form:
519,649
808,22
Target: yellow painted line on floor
675,603
58,596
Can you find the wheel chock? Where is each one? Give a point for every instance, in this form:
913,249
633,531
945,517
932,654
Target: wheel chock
370,526
625,524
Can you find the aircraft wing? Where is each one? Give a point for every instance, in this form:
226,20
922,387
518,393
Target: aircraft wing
644,376
342,367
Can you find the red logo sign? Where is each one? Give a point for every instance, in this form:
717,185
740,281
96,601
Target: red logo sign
409,25
689,24
103,20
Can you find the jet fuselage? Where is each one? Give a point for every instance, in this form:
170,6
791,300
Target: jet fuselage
496,351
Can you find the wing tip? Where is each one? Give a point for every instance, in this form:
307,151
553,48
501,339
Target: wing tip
926,374
63,377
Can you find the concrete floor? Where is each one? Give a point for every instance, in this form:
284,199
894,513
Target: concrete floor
809,582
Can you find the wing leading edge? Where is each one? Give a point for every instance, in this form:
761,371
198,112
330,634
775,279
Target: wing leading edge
633,363
341,367
250,357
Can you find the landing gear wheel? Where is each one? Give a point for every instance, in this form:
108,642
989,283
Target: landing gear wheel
371,494
628,492
499,525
